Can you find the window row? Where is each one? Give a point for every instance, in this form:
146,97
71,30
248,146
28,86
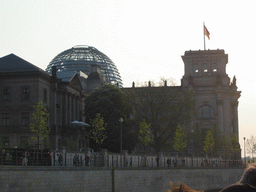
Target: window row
24,141
6,119
205,68
25,94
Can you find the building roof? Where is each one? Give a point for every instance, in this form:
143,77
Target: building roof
12,64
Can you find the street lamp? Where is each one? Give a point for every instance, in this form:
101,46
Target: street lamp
121,121
244,152
192,146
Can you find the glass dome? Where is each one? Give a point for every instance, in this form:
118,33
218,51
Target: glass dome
80,58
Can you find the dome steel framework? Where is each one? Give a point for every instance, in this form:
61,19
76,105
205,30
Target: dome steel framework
80,58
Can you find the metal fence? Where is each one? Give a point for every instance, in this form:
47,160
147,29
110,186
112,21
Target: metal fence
34,157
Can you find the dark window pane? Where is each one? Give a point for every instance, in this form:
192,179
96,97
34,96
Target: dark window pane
25,118
25,93
7,94
6,119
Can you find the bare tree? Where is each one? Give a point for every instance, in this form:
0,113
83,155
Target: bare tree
250,145
164,108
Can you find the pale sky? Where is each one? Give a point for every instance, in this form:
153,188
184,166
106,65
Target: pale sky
144,38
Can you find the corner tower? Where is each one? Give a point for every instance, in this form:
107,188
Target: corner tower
216,97
205,68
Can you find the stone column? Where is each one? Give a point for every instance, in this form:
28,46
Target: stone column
220,115
54,107
81,108
235,128
228,129
69,109
77,109
74,108
65,108
61,109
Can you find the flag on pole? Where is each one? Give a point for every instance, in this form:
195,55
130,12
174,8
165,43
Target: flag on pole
206,32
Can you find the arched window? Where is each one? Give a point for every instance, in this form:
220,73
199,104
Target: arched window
206,112
195,68
214,67
205,69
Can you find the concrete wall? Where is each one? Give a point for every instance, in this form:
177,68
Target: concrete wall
89,179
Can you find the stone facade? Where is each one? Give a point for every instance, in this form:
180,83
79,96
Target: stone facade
22,85
217,99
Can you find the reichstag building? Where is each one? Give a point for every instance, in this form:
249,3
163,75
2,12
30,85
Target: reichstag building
75,72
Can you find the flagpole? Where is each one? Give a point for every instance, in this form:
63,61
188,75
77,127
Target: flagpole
204,35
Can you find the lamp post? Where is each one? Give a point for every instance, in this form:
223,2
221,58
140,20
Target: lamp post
192,134
121,121
244,152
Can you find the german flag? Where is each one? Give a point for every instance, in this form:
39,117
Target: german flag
206,32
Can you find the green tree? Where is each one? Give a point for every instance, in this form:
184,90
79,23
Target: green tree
164,108
234,145
225,148
219,140
111,103
46,144
71,144
179,142
98,133
209,143
24,143
39,126
144,134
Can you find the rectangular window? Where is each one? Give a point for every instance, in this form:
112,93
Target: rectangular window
6,141
25,118
25,93
45,95
7,94
6,119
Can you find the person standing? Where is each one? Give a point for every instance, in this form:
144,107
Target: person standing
87,160
26,154
157,160
56,158
60,160
131,161
168,162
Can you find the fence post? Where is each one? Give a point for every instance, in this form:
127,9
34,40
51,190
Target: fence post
1,156
65,159
42,158
16,158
